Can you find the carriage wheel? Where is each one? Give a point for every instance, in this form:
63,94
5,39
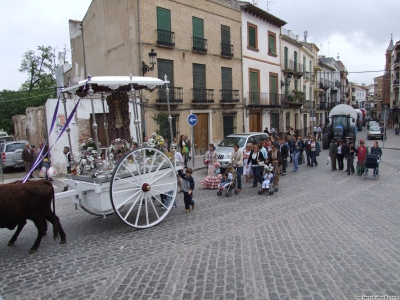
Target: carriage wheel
139,182
96,212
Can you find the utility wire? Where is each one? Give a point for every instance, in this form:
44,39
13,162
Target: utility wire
10,100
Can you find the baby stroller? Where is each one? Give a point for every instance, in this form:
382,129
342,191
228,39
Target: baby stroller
268,183
229,185
371,162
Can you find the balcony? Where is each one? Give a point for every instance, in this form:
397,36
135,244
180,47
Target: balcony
337,83
396,84
396,63
294,99
165,38
317,67
199,45
175,96
312,78
203,96
257,99
334,90
226,50
229,97
321,86
306,77
309,104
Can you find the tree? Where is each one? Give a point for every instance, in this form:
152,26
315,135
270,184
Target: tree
40,67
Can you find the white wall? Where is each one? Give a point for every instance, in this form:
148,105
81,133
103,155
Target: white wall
84,111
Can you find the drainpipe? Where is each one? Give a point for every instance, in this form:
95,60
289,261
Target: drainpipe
83,50
143,121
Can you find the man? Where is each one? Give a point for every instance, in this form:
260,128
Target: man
319,133
333,149
189,144
340,155
307,147
266,130
284,150
350,152
315,130
68,163
274,158
27,157
274,133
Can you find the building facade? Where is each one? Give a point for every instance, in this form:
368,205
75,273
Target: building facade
198,47
261,48
394,87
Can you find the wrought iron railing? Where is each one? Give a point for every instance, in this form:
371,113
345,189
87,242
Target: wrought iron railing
226,50
165,38
199,45
175,95
306,75
229,96
309,104
265,99
203,96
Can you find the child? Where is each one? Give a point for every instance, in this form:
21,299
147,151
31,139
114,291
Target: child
225,180
187,188
267,179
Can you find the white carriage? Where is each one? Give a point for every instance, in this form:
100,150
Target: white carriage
134,188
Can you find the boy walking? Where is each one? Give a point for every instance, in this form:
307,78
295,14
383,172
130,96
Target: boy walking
187,188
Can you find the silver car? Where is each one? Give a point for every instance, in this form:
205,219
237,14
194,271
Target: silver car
225,147
11,154
374,132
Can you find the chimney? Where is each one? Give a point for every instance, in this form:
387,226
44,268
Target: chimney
297,38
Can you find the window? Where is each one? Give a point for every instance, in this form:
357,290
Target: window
310,66
226,80
226,48
228,124
199,83
271,43
295,61
304,92
199,43
286,57
164,34
165,67
252,41
273,89
254,84
287,120
275,121
310,95
304,63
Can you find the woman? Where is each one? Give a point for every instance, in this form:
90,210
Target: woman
340,155
378,152
184,149
300,159
211,181
46,161
247,165
362,153
236,161
255,158
291,140
314,152
298,146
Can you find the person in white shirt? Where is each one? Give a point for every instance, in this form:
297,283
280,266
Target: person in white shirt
319,133
315,130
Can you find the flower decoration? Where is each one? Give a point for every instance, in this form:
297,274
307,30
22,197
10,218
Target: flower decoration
268,168
155,141
88,156
119,147
207,161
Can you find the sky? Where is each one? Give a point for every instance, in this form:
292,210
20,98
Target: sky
359,30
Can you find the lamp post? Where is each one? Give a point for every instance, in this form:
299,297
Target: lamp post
152,60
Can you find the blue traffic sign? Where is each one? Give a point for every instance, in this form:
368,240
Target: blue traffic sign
192,119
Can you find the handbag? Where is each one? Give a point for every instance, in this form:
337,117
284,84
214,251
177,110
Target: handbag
328,160
185,150
42,172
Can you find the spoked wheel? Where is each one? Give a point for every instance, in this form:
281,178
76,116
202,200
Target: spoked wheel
138,181
97,212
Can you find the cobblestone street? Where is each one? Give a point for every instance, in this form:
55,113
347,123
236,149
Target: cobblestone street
324,235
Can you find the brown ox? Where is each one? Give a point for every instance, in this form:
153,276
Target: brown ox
31,200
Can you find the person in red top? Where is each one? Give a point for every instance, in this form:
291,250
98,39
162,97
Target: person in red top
362,152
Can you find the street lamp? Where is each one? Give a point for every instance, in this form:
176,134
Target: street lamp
152,60
287,82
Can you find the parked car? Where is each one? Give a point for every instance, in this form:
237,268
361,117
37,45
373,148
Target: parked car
372,123
225,147
374,132
11,154
7,138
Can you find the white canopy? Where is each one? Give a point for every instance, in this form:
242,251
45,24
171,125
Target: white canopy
108,84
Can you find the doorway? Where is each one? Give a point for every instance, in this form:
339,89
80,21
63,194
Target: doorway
201,139
255,122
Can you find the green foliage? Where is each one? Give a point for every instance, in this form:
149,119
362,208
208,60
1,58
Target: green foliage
40,66
161,119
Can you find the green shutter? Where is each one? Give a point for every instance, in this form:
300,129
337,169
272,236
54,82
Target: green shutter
164,25
304,64
199,82
198,34
273,79
225,34
228,125
295,61
252,37
271,44
286,55
166,67
286,86
254,91
226,79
